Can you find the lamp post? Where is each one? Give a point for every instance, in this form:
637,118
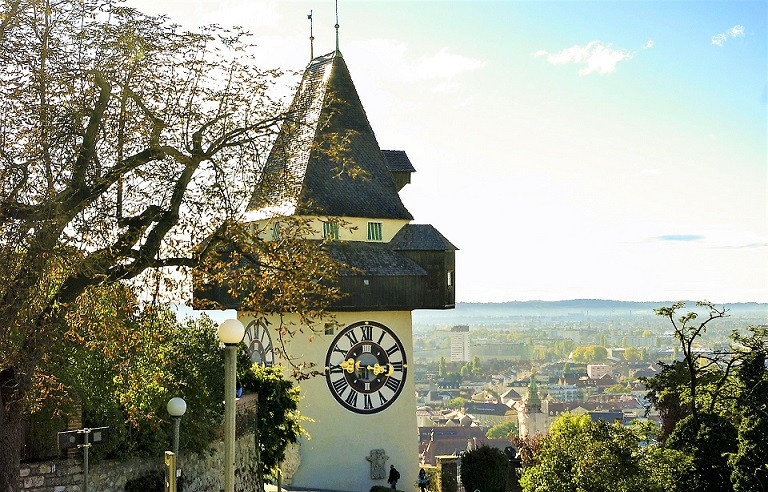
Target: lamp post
230,332
176,408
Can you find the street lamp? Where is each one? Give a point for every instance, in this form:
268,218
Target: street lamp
176,408
230,332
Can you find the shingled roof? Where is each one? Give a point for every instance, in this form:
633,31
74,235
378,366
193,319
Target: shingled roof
398,161
373,259
303,177
420,237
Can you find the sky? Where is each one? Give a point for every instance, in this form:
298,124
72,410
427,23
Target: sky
570,150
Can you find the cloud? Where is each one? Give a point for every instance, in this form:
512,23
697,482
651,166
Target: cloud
390,61
736,31
444,65
680,237
595,56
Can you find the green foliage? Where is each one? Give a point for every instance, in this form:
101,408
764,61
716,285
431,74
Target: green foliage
476,367
582,455
749,463
124,376
713,406
617,389
454,378
666,392
485,469
590,353
632,354
456,403
707,439
646,431
505,430
279,423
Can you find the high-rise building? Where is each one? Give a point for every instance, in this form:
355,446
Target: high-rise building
460,343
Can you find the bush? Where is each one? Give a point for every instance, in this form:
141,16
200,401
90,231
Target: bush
484,468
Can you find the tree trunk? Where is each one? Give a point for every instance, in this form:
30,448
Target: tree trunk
10,446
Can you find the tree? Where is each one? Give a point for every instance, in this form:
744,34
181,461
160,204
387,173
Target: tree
123,377
128,151
590,353
476,367
505,430
279,422
749,463
441,368
579,454
707,439
484,468
632,354
709,395
687,331
456,403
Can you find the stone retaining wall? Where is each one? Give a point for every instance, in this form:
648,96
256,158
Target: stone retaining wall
202,472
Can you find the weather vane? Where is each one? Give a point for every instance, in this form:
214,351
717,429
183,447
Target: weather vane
337,25
311,38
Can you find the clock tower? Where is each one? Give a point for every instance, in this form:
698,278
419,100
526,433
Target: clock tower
362,405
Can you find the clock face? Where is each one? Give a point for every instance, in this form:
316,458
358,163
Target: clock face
259,342
365,367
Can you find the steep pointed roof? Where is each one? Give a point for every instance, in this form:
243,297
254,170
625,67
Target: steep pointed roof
326,160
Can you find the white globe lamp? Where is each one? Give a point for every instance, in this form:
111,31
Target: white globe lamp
231,332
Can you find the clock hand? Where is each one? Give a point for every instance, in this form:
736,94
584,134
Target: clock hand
377,369
348,365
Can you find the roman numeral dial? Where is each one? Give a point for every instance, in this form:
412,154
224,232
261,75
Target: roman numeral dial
365,367
259,341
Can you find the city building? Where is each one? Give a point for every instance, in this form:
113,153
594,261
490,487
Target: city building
596,371
460,343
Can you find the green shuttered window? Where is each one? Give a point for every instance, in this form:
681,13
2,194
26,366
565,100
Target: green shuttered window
330,230
374,231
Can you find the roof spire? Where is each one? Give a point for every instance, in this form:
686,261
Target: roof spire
337,26
311,37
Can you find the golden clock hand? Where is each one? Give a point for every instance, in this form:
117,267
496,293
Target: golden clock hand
377,369
348,365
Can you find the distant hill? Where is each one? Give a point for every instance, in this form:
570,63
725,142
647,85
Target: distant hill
569,310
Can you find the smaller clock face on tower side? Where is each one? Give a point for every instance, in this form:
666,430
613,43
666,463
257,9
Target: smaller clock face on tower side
365,367
259,342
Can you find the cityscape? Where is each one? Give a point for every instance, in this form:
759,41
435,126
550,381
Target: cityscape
361,246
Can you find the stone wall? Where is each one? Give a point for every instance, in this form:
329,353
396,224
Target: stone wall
202,472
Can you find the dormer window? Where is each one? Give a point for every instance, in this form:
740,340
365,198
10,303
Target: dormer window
330,230
374,231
